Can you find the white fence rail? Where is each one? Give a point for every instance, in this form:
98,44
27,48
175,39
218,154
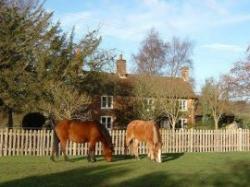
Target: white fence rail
40,142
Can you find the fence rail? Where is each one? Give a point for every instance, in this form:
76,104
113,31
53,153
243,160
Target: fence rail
39,142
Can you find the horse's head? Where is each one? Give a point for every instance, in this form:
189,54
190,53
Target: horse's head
107,152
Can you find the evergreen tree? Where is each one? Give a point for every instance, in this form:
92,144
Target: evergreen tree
24,29
37,59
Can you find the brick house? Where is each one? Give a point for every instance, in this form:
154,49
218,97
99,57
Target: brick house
112,102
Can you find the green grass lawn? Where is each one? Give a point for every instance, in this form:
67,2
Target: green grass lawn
188,169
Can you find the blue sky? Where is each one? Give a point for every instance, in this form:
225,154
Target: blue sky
219,29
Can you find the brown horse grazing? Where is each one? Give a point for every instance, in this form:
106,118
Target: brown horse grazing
147,131
81,132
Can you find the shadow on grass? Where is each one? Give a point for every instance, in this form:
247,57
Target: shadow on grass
165,157
115,158
170,156
122,174
154,179
90,175
238,175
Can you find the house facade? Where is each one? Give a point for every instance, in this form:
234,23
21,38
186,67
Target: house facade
113,100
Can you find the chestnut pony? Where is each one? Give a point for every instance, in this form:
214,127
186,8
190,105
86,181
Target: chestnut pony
148,132
81,132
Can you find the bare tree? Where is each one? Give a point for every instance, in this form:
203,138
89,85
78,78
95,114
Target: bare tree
151,56
157,57
143,92
215,98
239,80
239,88
65,100
178,55
168,100
157,96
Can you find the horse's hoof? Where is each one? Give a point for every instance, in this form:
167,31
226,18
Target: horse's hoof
52,159
66,159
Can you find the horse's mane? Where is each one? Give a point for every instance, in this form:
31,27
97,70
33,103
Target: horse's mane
105,133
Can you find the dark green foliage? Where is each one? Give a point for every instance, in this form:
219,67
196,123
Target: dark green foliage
24,29
36,56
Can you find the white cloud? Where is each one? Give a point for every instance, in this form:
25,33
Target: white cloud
169,17
76,18
215,6
233,19
224,47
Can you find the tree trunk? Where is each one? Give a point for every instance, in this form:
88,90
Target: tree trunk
10,118
173,125
216,123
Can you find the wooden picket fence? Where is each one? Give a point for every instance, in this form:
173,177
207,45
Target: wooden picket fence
39,142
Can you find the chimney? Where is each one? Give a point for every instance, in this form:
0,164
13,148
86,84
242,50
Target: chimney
185,73
121,67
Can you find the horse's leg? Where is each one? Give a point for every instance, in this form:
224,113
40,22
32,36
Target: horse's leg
128,145
159,156
135,149
55,148
53,155
63,145
150,152
92,152
88,157
158,153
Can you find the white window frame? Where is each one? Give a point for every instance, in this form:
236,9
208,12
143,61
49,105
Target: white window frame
183,122
111,121
183,104
107,97
150,103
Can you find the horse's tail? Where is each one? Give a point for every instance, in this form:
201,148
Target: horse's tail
106,135
55,137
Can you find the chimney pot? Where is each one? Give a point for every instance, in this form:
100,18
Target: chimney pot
185,73
121,67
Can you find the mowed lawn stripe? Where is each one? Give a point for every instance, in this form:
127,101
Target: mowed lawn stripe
183,169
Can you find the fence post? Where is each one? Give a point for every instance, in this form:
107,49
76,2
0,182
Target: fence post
51,142
191,140
10,143
240,139
6,141
1,142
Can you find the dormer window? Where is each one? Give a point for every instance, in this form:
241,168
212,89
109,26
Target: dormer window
183,105
106,102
